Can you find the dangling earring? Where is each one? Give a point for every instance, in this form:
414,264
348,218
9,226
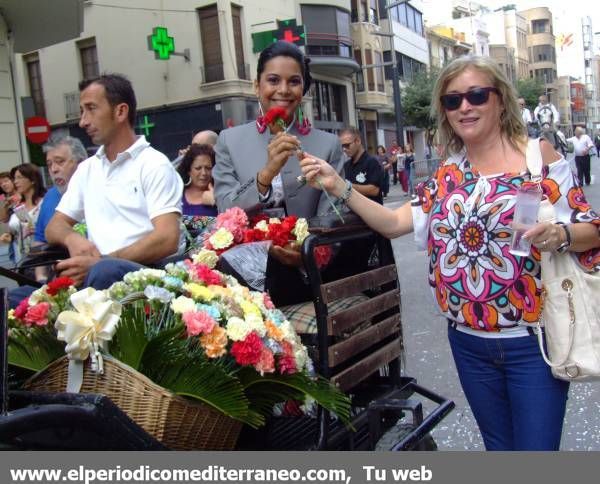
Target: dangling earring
302,123
261,126
188,183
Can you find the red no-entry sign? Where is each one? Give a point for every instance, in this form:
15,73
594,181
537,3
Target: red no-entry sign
37,129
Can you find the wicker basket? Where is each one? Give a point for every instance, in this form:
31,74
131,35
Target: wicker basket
178,423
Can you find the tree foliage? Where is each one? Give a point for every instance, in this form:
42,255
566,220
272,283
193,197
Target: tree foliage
416,102
530,89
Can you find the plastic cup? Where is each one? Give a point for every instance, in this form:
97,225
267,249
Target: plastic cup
527,205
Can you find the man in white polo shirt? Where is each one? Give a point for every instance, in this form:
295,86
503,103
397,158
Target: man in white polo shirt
582,144
128,193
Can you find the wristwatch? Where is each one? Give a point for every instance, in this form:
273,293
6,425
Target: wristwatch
562,248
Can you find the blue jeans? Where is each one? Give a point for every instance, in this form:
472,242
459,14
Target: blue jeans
516,401
100,276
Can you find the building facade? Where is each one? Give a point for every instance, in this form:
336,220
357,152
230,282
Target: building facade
578,103
21,32
445,44
541,49
205,80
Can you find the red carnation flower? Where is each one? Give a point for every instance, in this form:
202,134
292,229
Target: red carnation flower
287,361
259,218
253,235
207,275
57,284
274,114
21,309
248,351
288,223
278,235
322,255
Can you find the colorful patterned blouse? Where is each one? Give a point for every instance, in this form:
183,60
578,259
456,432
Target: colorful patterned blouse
464,219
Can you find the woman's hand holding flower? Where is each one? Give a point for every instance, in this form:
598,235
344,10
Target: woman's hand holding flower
281,147
321,174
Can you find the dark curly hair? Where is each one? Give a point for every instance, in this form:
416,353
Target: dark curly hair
194,151
286,49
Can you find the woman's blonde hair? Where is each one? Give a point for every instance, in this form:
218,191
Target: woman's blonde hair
511,121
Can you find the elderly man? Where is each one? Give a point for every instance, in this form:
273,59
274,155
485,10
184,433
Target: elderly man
62,157
582,144
206,137
128,193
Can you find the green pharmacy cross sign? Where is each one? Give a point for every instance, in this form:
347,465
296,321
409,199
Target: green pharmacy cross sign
160,42
164,46
286,30
145,126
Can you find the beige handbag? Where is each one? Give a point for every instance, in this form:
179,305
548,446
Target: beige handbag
570,313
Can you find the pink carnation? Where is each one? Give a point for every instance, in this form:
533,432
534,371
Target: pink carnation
197,322
37,315
267,301
266,362
235,220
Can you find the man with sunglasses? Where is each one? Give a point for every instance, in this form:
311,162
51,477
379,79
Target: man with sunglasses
525,113
362,170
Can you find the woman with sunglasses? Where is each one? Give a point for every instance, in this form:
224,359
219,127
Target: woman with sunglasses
462,215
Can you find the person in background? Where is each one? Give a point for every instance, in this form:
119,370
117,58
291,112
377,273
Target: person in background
597,143
62,157
198,201
545,112
394,151
206,137
258,170
525,113
8,190
463,215
361,169
386,166
409,158
582,144
30,186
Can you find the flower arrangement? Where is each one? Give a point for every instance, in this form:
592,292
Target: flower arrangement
189,328
233,227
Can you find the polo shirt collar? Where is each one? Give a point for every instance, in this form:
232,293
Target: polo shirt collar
134,150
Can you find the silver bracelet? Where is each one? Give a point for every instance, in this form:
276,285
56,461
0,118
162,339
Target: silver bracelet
345,196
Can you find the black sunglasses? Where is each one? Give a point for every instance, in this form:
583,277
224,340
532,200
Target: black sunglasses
476,97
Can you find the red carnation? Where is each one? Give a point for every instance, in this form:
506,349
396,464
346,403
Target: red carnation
248,351
288,223
253,235
322,255
274,114
287,361
278,235
21,309
207,275
57,284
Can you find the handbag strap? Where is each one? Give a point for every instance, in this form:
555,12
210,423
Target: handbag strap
543,350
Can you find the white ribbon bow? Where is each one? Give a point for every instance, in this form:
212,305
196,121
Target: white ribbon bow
86,330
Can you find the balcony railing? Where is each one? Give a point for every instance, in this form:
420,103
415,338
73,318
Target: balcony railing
328,44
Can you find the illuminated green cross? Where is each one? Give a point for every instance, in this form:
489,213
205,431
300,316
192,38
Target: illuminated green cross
145,126
161,43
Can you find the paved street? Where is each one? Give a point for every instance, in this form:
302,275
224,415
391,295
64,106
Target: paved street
428,356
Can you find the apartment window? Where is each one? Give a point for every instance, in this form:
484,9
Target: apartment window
542,53
360,77
236,17
373,12
370,71
327,31
327,101
364,16
36,89
408,67
210,38
380,75
89,58
540,26
354,11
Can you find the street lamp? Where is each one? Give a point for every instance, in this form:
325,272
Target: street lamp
395,77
